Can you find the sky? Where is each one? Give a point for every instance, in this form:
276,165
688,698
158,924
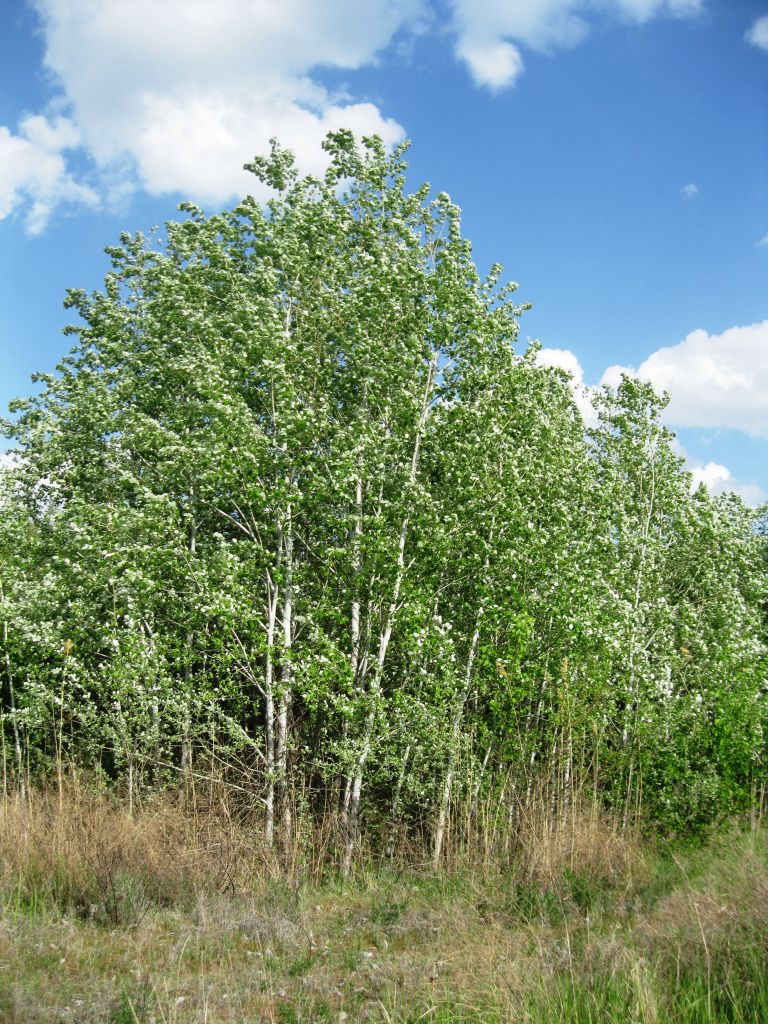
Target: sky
611,154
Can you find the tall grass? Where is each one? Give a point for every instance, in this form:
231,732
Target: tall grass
180,912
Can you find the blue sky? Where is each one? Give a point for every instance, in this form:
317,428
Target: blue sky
612,154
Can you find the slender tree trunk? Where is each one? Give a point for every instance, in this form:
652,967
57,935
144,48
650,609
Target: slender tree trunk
356,566
645,537
396,802
553,784
567,741
286,682
269,709
17,748
445,795
186,725
535,738
345,783
386,633
479,783
4,754
130,785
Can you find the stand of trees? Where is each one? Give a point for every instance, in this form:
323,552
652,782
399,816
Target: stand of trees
295,507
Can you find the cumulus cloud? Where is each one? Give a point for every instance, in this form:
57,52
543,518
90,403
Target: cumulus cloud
713,380
33,170
176,96
689,191
491,32
566,360
718,479
763,242
758,33
493,63
714,475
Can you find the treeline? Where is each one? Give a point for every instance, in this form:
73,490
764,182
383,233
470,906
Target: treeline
295,510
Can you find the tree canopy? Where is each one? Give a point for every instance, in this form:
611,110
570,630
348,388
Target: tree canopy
297,505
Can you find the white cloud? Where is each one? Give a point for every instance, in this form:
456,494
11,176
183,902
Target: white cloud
568,361
758,33
713,380
33,170
714,475
490,32
564,359
215,137
689,191
718,479
644,10
763,242
493,63
177,95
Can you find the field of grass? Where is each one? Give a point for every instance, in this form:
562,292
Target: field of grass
178,917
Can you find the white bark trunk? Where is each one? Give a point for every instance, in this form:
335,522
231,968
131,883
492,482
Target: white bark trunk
269,710
286,681
396,803
445,796
186,725
17,751
386,631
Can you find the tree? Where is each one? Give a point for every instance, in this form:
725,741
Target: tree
294,495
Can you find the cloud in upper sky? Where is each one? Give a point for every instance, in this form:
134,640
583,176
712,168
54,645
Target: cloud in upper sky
758,33
174,96
714,380
192,89
491,32
566,360
689,191
762,243
33,170
719,479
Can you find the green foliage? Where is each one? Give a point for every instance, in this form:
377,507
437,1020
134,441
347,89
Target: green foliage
295,505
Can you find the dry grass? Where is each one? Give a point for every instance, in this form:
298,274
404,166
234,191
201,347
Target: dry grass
584,843
719,907
87,856
183,916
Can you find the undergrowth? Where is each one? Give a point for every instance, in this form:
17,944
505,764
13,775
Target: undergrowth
179,915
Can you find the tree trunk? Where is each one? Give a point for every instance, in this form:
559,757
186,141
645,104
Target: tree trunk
396,803
286,684
445,796
386,633
186,725
17,749
269,710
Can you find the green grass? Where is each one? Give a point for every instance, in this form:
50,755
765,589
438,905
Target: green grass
661,936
